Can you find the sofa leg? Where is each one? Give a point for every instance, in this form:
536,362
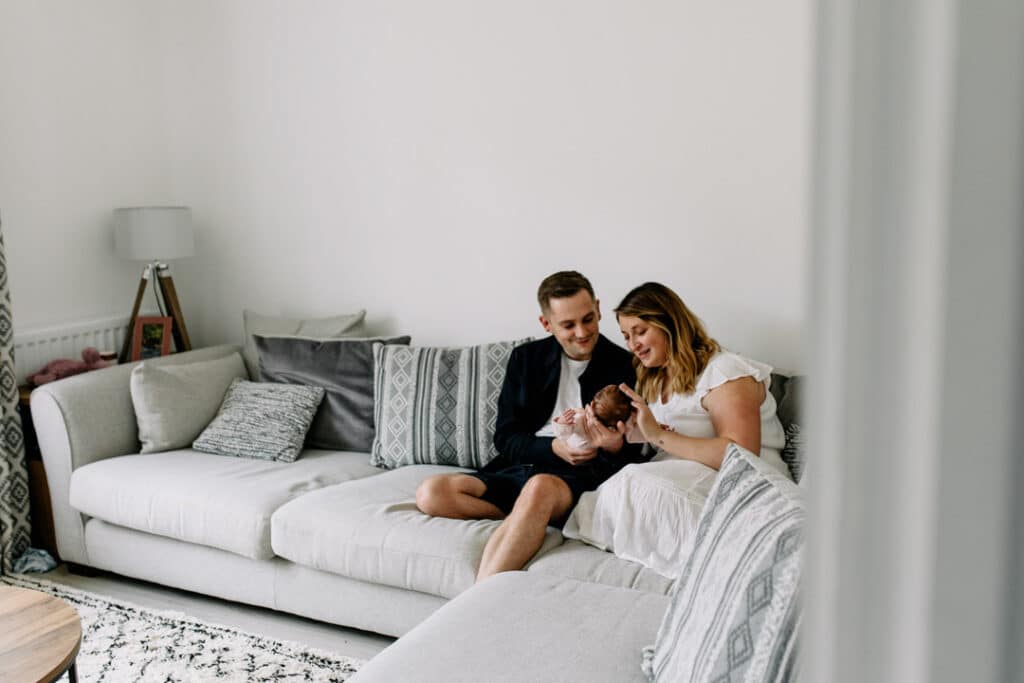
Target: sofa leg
82,570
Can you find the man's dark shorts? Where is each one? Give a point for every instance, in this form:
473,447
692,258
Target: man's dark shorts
504,486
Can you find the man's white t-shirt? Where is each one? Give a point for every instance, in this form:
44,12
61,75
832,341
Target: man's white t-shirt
568,391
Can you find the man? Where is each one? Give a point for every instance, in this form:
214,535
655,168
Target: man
537,479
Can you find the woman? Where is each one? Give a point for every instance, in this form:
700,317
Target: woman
692,397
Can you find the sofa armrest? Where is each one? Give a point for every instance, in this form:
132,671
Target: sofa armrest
85,418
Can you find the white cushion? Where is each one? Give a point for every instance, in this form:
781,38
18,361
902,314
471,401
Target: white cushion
371,530
582,562
174,403
348,325
207,499
521,626
645,513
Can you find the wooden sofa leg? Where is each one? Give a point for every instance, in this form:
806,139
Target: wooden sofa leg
82,570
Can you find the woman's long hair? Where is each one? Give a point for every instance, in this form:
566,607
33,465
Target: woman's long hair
690,348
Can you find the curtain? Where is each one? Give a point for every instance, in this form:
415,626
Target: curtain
15,528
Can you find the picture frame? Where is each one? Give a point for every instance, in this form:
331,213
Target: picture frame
151,337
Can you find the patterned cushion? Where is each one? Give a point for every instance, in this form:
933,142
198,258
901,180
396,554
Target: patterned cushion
437,405
263,421
734,613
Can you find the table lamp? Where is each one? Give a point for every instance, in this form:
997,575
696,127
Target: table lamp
155,234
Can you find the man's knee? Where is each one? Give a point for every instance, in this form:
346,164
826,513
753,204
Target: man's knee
545,492
434,495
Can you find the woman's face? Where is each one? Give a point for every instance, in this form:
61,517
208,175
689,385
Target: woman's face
647,342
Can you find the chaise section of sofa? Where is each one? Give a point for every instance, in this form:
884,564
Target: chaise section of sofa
527,626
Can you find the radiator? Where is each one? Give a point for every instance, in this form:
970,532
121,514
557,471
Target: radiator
35,348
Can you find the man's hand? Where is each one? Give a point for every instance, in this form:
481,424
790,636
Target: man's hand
573,456
608,440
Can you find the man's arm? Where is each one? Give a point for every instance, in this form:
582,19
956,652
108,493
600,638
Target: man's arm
513,437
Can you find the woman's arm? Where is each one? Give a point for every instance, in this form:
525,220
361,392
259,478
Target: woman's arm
735,410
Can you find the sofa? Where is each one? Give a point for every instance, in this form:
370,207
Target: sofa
334,538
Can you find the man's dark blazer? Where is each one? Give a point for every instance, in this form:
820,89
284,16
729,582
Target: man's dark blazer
528,397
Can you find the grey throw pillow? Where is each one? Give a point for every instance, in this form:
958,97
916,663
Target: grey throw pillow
437,405
790,407
735,610
348,325
262,421
173,403
344,368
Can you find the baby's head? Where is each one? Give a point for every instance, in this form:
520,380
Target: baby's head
611,406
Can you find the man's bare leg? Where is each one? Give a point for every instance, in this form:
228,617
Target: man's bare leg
520,536
456,496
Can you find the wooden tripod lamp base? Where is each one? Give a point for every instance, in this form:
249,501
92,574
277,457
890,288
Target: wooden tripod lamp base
171,303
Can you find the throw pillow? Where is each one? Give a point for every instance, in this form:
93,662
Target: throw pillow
437,405
735,612
261,420
344,368
629,513
173,403
350,325
790,405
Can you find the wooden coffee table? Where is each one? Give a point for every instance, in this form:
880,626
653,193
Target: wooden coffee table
39,636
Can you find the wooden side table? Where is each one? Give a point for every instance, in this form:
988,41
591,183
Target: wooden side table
43,535
39,636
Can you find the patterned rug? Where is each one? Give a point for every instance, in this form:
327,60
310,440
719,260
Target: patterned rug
125,642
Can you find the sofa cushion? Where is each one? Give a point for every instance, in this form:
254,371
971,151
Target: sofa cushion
174,403
261,420
207,499
344,368
349,325
522,626
734,613
576,560
371,530
437,405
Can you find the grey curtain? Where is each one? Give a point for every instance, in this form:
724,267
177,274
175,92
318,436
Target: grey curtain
15,528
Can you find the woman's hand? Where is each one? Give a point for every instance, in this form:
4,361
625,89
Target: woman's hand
645,421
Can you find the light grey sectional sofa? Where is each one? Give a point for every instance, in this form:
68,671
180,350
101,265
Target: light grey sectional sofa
335,539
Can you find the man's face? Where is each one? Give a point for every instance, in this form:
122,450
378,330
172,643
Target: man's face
574,322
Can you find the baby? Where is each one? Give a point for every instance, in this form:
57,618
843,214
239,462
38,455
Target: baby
610,406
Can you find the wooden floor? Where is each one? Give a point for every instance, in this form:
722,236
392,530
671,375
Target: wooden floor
265,622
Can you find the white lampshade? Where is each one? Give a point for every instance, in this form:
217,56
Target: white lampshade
153,233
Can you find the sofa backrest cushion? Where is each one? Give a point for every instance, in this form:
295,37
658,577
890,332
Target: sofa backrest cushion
344,368
735,611
346,325
174,403
437,405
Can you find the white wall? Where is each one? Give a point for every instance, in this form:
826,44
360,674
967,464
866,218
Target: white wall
80,133
430,162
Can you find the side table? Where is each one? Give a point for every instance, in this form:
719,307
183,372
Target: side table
39,636
43,535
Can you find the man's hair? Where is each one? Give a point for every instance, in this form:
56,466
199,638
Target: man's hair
560,285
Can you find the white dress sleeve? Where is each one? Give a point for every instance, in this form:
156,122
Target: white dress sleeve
726,366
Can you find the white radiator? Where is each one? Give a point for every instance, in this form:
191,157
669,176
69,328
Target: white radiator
35,348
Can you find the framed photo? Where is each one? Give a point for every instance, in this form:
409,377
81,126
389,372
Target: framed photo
151,337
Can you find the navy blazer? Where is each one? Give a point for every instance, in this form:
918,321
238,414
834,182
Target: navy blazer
528,397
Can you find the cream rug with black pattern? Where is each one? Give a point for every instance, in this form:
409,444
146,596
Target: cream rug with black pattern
125,642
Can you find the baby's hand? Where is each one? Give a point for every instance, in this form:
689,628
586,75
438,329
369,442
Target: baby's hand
567,418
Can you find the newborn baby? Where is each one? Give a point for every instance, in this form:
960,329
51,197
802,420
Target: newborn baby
610,406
